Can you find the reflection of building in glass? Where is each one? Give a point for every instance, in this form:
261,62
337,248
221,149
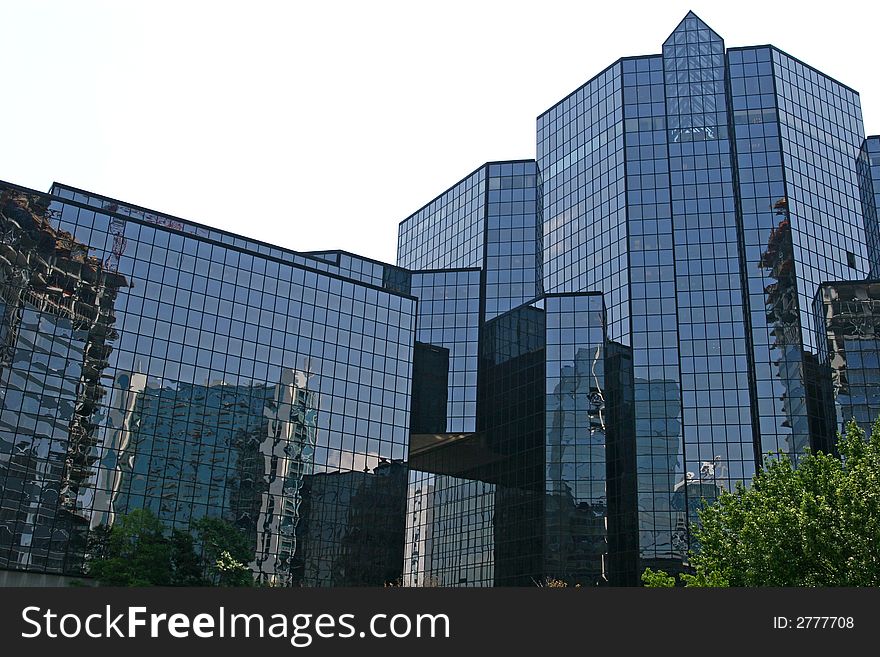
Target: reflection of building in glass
848,314
658,431
450,531
706,192
175,450
194,451
791,362
351,528
691,494
572,354
288,451
238,371
577,424
57,324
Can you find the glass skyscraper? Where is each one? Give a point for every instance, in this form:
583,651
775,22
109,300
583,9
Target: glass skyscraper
570,356
706,193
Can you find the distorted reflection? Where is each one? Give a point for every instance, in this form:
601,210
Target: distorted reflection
144,364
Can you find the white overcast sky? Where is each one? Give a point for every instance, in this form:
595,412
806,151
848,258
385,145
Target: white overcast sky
321,125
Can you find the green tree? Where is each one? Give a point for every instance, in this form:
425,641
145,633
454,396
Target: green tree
817,524
657,579
225,552
134,552
186,565
138,550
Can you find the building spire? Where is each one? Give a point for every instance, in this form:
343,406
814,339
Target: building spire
692,29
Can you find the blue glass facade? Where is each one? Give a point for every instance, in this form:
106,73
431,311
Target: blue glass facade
848,323
515,493
812,198
513,236
570,355
525,498
449,232
580,159
716,419
869,187
147,365
706,193
576,503
449,318
490,220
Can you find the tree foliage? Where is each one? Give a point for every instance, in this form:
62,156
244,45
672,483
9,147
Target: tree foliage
138,550
225,551
817,524
657,579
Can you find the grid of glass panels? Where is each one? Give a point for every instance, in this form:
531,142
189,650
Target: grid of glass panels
365,270
513,237
449,317
868,170
176,476
511,426
450,535
507,217
715,393
338,262
848,318
183,225
580,159
352,527
576,502
821,133
449,231
352,266
767,254
510,394
40,375
224,380
653,303
797,135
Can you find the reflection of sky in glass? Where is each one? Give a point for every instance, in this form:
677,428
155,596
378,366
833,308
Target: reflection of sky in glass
225,380
148,361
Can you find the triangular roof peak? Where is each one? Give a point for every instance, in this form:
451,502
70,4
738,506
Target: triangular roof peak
690,23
